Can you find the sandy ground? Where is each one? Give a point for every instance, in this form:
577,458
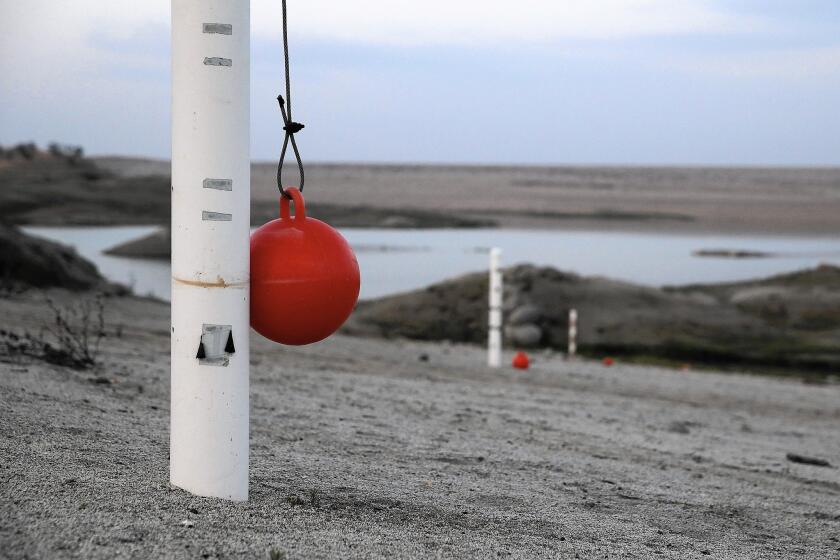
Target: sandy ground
748,200
417,459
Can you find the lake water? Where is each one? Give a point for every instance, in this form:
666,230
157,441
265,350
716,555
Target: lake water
393,261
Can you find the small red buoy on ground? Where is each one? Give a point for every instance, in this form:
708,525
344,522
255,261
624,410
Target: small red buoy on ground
608,361
304,277
521,361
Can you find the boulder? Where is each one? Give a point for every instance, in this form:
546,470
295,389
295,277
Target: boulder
524,336
524,314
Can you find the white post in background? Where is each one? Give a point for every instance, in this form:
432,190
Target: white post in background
210,246
494,338
573,316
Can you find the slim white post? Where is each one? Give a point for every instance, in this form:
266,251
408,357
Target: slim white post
210,247
494,338
573,316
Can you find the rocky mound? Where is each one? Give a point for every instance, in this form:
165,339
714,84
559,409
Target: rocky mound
156,245
60,186
27,261
722,324
806,300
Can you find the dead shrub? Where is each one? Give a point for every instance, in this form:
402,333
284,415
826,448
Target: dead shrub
70,338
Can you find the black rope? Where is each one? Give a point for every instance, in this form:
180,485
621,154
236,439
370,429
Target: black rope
291,127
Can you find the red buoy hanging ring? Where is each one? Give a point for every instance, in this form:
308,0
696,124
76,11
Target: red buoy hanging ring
304,277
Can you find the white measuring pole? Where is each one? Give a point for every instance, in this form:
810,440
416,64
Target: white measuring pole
210,246
494,337
573,316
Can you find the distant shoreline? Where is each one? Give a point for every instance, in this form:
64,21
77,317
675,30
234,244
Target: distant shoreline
742,200
111,159
48,190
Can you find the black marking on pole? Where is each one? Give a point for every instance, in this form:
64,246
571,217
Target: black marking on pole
215,216
219,184
217,61
215,345
218,28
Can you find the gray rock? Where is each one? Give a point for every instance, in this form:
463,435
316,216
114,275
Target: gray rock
524,315
678,427
526,336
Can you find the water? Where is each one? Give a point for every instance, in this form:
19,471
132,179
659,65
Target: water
144,276
393,261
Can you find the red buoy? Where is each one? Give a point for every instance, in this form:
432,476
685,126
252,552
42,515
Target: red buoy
521,361
608,361
304,277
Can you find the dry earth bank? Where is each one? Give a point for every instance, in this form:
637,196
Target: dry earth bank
711,199
64,188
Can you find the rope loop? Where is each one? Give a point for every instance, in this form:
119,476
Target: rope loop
291,127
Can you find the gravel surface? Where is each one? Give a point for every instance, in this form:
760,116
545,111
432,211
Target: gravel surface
368,449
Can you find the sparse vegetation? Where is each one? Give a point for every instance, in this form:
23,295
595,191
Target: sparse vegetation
78,329
312,499
72,338
70,153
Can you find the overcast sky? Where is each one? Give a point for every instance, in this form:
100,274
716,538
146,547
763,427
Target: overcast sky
486,81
